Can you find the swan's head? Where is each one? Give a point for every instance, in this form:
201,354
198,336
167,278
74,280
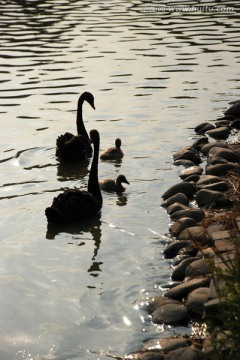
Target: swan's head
94,136
118,143
87,96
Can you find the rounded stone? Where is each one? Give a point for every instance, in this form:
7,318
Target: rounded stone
173,248
199,142
178,273
187,153
226,154
197,234
196,214
176,207
179,197
197,268
186,188
197,299
170,314
149,355
193,170
188,353
184,162
176,228
218,186
220,169
203,127
193,178
208,179
182,290
210,198
206,148
219,133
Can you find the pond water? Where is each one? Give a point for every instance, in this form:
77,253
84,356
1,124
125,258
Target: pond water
72,292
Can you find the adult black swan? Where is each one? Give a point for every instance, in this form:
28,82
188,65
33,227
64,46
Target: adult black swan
114,152
75,204
76,147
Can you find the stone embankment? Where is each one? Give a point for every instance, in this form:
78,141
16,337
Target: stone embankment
203,207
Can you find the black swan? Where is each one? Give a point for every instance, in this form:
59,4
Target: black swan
74,204
113,185
114,152
74,147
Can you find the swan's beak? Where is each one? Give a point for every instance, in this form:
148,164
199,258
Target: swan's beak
93,106
126,182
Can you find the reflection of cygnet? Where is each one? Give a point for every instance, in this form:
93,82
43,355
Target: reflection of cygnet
113,185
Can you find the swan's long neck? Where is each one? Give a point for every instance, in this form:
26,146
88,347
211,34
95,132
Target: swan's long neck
93,184
80,124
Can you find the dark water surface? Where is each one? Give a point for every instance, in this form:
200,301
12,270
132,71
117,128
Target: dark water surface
73,292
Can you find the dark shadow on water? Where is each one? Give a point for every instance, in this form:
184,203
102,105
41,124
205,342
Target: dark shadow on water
121,199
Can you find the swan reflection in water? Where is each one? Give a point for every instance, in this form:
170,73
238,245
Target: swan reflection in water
73,171
90,225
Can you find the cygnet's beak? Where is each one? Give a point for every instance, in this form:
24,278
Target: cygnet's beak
126,182
93,106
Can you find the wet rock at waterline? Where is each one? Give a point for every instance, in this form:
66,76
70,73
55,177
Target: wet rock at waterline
178,273
199,142
192,178
193,170
149,355
184,162
179,197
203,127
176,207
170,314
173,248
188,153
219,133
167,344
181,224
182,290
186,188
218,186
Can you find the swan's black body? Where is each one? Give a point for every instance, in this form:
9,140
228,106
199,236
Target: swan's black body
76,147
75,205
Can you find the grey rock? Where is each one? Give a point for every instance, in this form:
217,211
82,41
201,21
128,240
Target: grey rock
176,228
171,314
178,273
206,148
197,299
196,214
199,142
197,234
197,268
233,110
193,178
176,207
184,162
173,248
149,355
208,179
182,290
179,197
186,188
226,154
187,153
210,199
158,301
216,160
219,133
220,169
168,344
203,127
193,170
218,186
188,353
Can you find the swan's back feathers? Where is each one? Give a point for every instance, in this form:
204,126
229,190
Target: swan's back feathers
71,148
73,205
